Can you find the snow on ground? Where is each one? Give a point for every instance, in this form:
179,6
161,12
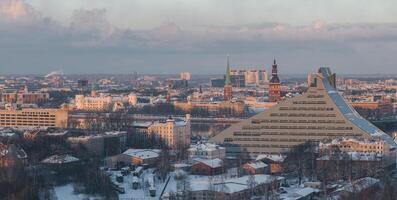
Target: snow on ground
142,192
66,192
218,183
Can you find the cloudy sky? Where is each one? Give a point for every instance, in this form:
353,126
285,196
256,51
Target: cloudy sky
170,36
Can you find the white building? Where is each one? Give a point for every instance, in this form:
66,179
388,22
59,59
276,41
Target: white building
103,102
206,151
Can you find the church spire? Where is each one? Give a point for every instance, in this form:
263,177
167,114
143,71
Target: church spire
227,77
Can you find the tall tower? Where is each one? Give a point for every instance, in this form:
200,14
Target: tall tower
274,85
227,90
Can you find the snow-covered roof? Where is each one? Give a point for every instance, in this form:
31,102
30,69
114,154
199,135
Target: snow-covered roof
7,134
204,147
213,163
273,157
298,193
60,133
142,153
115,132
356,156
60,159
226,185
257,164
141,124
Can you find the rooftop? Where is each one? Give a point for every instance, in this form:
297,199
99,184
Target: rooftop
60,159
213,163
143,153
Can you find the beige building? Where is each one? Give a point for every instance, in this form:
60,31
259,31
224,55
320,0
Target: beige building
176,133
318,114
100,103
34,117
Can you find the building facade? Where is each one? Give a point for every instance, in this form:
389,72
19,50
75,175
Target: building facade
101,103
25,97
206,151
175,133
34,117
318,114
251,76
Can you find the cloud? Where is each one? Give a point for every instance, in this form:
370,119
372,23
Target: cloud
91,40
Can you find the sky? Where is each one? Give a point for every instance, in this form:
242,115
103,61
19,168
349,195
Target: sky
172,36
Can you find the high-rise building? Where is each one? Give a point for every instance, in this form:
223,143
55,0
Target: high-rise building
82,84
318,114
251,76
227,89
185,76
274,85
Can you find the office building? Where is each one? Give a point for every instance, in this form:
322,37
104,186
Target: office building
185,76
82,84
318,114
251,76
34,117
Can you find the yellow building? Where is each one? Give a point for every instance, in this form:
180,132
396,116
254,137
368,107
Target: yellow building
175,133
34,117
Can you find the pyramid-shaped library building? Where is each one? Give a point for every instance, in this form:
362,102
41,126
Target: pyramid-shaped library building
318,114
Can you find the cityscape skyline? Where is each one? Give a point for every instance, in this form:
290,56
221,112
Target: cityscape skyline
86,36
198,99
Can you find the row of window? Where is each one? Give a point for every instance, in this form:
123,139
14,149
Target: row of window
308,102
268,145
293,133
252,127
307,108
257,121
26,124
302,115
270,139
315,96
24,115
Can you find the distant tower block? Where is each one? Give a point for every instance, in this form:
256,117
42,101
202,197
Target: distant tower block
227,90
274,85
